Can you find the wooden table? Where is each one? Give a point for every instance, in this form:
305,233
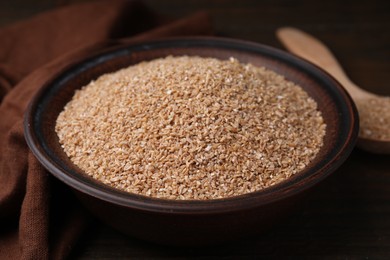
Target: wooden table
348,215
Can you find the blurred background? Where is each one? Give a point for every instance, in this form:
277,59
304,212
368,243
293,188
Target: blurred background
357,31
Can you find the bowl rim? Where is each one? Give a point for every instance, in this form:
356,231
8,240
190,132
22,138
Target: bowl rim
246,201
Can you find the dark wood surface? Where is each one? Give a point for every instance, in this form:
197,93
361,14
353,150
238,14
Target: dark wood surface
348,215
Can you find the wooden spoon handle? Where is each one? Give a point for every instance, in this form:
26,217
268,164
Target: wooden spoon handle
311,49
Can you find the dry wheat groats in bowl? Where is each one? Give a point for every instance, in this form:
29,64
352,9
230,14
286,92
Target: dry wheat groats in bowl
191,141
190,127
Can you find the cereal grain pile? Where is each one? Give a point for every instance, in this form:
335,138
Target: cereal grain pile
191,128
374,115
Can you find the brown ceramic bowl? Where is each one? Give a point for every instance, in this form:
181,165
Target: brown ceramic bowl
192,222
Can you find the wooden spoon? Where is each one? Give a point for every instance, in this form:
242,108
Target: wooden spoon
374,110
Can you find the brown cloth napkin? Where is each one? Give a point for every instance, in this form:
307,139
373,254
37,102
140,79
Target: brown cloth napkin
39,216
